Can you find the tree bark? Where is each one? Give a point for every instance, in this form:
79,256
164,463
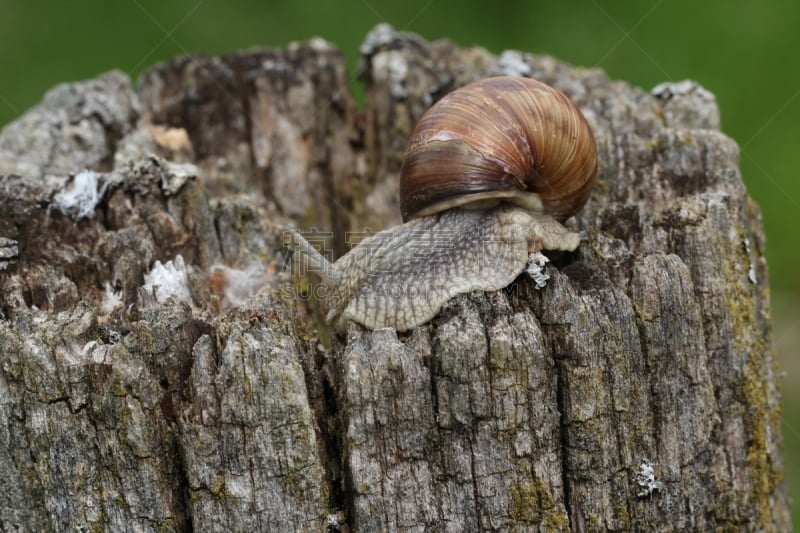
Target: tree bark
159,369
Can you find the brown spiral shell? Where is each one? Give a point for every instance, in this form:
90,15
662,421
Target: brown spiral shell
498,138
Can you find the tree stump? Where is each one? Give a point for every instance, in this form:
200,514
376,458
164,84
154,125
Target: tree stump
159,369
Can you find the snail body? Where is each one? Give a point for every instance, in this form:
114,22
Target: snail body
489,174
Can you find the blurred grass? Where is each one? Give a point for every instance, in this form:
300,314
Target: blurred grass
744,52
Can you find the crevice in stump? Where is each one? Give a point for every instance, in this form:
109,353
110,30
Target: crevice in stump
564,440
321,386
181,492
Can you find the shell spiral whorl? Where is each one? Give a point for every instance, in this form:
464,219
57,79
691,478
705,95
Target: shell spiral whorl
495,139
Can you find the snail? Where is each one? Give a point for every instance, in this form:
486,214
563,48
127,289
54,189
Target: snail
490,173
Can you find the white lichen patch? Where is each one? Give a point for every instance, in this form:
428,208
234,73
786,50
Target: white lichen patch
391,67
512,63
335,521
687,104
381,35
9,251
112,300
318,44
535,269
645,477
81,196
669,89
165,281
96,352
270,65
751,272
176,176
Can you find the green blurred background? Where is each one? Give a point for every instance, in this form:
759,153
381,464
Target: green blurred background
744,52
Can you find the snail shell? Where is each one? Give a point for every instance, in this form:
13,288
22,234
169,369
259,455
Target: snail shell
499,139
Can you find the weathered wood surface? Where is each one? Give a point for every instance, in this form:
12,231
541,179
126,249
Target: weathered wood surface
143,391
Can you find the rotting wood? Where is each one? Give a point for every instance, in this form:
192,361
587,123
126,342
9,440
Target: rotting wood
637,391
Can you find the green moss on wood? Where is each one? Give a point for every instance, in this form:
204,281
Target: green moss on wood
761,419
533,503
